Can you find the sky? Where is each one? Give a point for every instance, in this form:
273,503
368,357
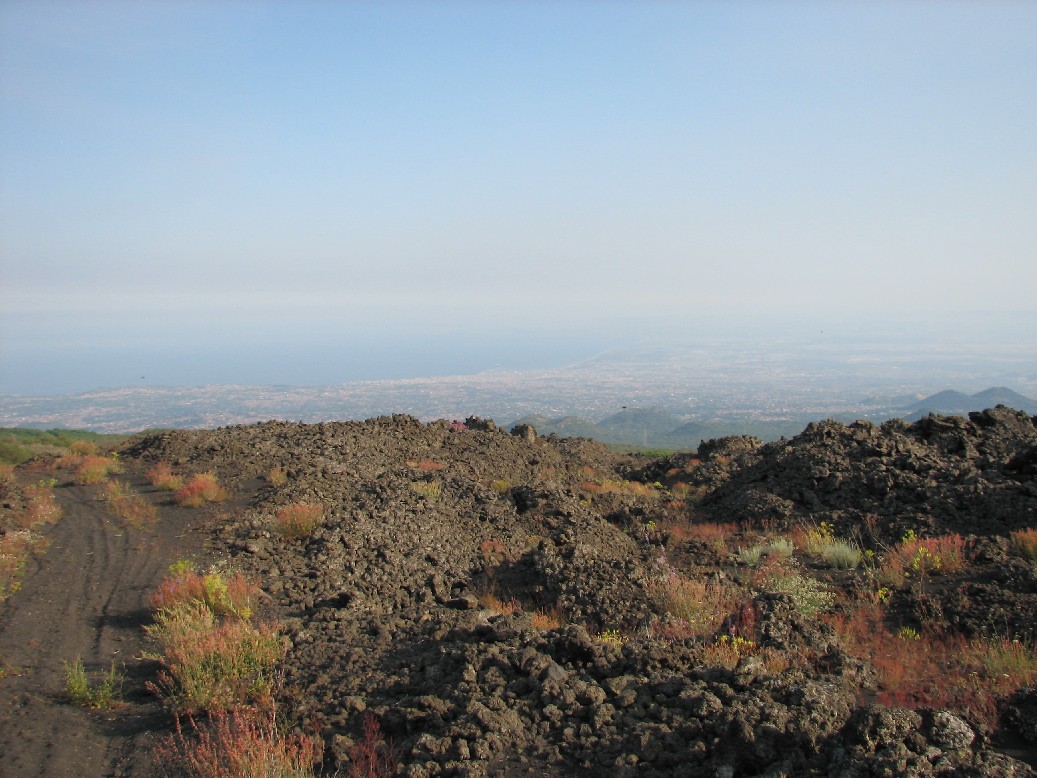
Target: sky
310,192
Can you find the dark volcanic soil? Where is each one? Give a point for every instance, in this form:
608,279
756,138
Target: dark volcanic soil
86,597
387,607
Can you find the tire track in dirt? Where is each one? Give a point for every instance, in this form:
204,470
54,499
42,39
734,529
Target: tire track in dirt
86,597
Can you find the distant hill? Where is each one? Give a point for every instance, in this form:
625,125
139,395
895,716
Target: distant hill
639,425
952,403
657,428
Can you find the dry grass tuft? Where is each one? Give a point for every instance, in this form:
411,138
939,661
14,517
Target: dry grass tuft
548,618
299,519
1025,541
95,469
128,505
276,476
202,489
161,476
494,603
700,606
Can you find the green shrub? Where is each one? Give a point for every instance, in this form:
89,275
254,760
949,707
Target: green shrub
808,596
780,548
80,692
213,664
430,490
841,555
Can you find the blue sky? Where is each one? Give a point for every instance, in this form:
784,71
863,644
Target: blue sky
180,182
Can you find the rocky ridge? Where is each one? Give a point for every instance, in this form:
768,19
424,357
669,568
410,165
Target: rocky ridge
417,599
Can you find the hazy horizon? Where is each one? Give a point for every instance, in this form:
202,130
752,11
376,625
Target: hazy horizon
337,357
309,193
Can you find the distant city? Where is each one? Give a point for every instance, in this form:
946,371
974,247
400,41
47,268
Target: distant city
653,395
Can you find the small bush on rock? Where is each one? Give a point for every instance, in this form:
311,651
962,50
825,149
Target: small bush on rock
298,519
1025,541
277,476
841,555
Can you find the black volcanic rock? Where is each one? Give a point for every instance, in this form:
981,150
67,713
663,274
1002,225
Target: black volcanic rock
397,606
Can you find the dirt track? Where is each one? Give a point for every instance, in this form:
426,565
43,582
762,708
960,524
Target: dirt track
86,596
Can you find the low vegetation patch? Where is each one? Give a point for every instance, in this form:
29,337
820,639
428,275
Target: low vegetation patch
607,486
777,549
23,510
18,445
85,448
1025,541
372,756
224,595
80,691
425,465
161,476
712,534
918,558
299,519
212,663
699,606
128,505
95,469
41,507
16,547
937,670
242,743
203,489
808,596
276,476
430,490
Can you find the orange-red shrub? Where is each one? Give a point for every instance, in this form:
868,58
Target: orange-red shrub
1026,541
202,489
298,519
241,743
161,476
